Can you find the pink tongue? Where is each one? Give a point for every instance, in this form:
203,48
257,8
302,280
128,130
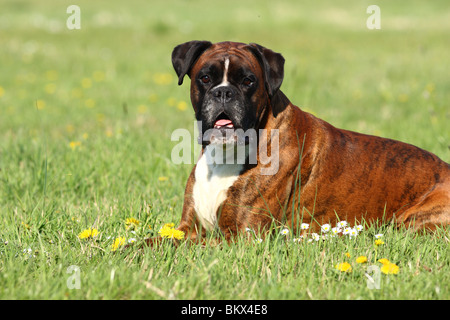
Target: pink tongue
223,123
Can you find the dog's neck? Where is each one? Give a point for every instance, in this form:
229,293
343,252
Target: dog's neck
275,106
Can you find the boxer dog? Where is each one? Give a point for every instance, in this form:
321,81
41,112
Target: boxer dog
324,174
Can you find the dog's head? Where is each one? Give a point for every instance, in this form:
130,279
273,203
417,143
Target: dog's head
231,85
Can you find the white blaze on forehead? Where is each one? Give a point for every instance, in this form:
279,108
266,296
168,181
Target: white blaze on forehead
227,64
225,73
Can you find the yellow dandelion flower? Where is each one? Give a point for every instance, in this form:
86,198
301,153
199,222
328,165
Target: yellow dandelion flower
74,144
98,76
344,267
171,101
26,226
430,87
109,133
118,242
50,88
88,233
182,105
40,104
347,255
173,234
390,268
86,83
169,225
384,261
100,117
167,231
361,259
142,108
163,78
131,223
163,178
89,103
379,242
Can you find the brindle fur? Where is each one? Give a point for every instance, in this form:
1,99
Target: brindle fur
325,174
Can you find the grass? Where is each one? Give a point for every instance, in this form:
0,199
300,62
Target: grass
86,118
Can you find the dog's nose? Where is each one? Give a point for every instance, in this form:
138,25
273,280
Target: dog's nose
223,94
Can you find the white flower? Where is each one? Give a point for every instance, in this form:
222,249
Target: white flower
378,236
325,228
131,240
342,224
324,237
300,238
304,226
315,236
248,230
259,240
28,252
336,230
285,231
347,230
360,227
353,232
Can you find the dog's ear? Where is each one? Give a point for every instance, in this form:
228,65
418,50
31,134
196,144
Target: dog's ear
185,55
273,67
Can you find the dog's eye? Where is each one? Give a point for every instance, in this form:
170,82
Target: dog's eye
247,82
205,79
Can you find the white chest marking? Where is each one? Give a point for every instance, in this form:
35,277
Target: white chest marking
212,182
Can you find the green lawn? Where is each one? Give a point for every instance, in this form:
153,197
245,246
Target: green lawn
86,118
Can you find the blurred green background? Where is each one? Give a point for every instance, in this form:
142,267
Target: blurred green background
393,82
